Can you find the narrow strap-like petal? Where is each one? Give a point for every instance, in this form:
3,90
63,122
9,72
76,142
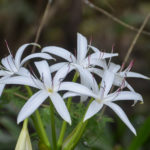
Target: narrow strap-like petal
77,88
85,76
20,80
70,94
20,52
106,84
4,73
61,52
31,105
97,71
114,68
44,70
57,66
94,108
136,75
60,107
9,64
81,47
36,55
124,95
61,74
23,72
95,62
101,55
122,115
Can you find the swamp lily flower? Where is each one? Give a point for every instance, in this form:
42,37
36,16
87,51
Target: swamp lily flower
24,142
14,66
48,87
102,97
82,63
120,76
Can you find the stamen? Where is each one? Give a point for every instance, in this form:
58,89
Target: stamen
75,52
71,58
130,66
8,48
89,60
112,50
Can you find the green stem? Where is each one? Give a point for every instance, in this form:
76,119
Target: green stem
53,130
74,138
25,123
64,125
39,124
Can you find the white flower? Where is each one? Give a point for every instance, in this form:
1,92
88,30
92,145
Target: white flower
13,66
120,76
104,98
48,87
83,63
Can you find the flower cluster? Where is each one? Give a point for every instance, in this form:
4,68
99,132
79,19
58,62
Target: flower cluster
88,61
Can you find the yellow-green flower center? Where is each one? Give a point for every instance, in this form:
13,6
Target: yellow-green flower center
50,90
99,100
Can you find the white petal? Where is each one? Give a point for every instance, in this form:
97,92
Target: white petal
122,115
4,73
57,66
101,55
86,79
36,55
70,94
93,109
9,64
20,80
61,52
136,75
106,84
97,71
31,105
44,70
60,106
77,88
114,68
124,95
23,72
2,86
85,75
95,62
61,74
81,47
20,52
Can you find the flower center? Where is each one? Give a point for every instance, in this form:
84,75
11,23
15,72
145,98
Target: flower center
50,90
99,100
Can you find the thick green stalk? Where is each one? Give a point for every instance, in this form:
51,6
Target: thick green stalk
53,130
38,123
64,125
76,135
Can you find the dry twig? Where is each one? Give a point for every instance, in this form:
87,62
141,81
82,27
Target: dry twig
101,10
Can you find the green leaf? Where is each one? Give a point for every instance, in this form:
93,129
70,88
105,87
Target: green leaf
143,134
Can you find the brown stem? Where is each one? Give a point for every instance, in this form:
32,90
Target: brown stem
135,39
109,15
42,23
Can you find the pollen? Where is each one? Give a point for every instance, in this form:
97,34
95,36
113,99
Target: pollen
50,90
